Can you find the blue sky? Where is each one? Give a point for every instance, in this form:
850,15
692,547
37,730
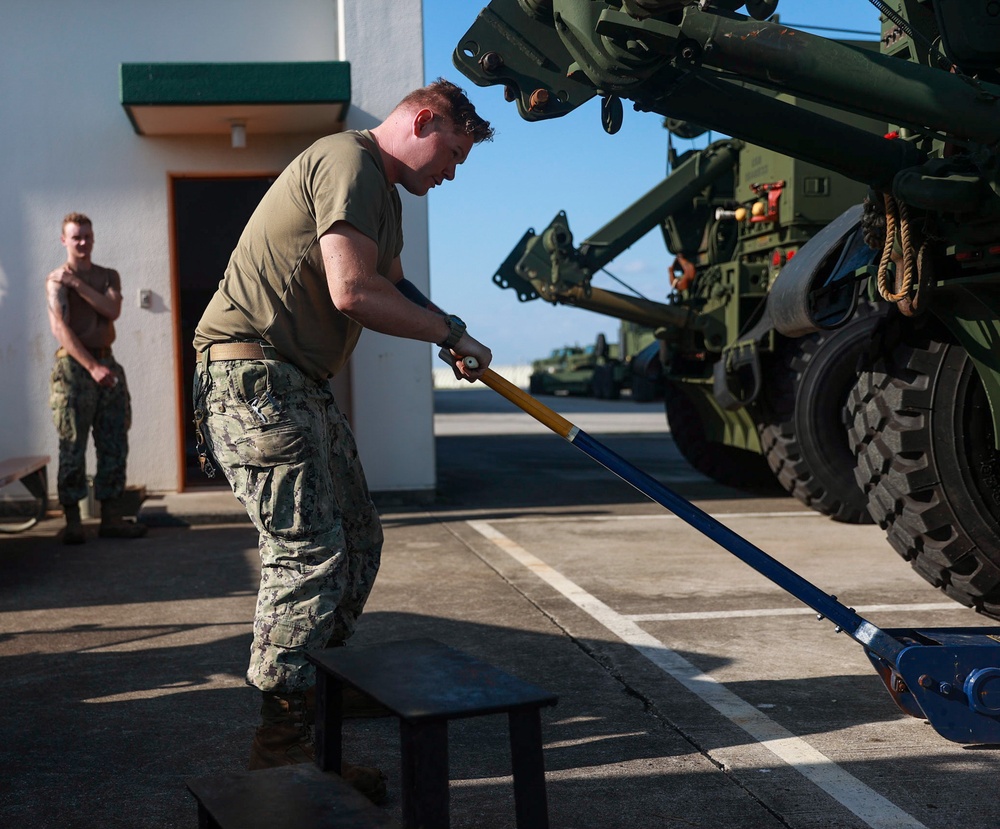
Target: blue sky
531,171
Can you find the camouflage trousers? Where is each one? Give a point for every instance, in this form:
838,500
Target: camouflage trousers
290,458
81,406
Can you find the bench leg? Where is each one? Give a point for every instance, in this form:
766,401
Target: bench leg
530,804
329,722
37,483
205,820
424,774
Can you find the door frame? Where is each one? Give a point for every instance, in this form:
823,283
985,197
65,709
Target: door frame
175,302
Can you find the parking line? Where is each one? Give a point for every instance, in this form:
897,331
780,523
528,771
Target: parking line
696,615
867,804
546,519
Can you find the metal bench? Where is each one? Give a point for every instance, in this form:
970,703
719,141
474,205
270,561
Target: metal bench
32,472
426,684
287,797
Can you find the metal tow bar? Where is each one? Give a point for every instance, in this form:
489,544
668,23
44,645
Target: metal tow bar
948,676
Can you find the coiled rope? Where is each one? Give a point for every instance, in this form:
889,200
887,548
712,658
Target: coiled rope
914,264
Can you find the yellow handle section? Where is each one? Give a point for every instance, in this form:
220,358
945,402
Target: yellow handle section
542,413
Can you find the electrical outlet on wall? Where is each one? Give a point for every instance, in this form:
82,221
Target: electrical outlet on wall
145,298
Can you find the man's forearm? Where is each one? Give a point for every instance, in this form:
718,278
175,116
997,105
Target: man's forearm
108,304
58,303
385,309
76,349
370,298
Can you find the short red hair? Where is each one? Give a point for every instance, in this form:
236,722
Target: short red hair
77,219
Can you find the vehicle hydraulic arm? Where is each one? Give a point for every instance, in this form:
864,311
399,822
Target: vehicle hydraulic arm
547,265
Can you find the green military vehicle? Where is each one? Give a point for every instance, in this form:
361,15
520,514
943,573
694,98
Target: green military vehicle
567,370
589,371
732,216
923,248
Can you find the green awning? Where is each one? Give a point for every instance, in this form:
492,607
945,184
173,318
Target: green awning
209,98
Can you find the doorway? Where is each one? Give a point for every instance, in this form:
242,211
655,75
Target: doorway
209,214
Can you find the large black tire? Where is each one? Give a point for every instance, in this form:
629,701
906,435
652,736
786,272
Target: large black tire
602,385
923,434
804,437
644,390
728,465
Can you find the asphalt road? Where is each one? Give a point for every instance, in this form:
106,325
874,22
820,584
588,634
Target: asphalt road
692,691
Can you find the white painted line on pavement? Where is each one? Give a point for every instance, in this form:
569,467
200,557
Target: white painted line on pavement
784,611
867,804
573,518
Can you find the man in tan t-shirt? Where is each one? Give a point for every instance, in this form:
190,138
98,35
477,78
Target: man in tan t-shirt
88,392
316,264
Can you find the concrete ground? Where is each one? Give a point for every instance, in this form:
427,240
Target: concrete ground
692,691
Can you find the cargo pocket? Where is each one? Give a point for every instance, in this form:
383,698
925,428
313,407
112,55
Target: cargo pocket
286,479
282,472
60,402
281,444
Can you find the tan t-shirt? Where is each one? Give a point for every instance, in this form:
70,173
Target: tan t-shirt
275,286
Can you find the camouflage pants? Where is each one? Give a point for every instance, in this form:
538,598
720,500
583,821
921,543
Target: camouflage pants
81,406
290,458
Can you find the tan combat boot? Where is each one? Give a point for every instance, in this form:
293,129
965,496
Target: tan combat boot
115,525
284,738
73,534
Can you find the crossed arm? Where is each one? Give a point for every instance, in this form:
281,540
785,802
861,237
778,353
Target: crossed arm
108,304
360,292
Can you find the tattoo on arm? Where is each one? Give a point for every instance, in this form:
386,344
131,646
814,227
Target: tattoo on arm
59,300
413,293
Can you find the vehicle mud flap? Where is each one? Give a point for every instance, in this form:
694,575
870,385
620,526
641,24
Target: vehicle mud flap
817,289
736,379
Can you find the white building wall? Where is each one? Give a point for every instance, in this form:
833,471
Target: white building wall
66,144
392,391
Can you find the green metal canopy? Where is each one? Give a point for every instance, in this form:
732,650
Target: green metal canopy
210,98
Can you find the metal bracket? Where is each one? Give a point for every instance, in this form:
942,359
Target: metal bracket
728,386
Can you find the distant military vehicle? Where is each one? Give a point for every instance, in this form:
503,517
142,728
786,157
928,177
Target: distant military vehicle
592,370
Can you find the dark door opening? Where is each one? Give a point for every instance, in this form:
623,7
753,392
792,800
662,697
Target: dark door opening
209,215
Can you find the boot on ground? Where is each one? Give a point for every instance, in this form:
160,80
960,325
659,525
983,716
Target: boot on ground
73,534
284,738
115,525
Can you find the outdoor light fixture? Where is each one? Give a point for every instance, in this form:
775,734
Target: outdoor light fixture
238,133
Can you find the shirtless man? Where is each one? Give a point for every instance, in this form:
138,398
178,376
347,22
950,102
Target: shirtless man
88,392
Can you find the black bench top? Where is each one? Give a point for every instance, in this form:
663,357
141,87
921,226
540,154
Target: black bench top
296,797
424,679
